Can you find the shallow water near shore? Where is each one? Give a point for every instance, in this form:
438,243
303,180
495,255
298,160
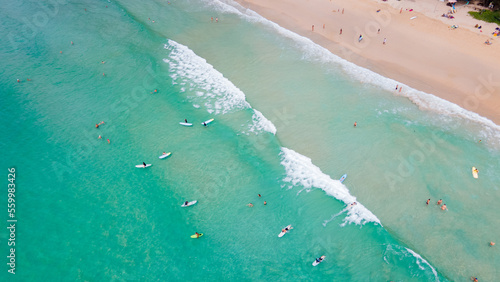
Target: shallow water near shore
283,128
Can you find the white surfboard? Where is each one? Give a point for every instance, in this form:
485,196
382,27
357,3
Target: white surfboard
316,262
189,203
142,166
186,123
165,155
207,121
289,227
474,172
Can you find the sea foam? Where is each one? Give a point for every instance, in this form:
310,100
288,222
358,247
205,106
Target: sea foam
208,87
300,171
314,52
422,260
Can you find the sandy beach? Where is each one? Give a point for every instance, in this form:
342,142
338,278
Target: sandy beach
422,49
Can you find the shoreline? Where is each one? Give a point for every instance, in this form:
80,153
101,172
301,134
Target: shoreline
424,53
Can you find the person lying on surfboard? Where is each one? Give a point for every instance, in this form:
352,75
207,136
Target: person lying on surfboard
186,203
197,234
318,260
144,164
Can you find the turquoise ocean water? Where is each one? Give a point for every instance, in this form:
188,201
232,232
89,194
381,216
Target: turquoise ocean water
284,110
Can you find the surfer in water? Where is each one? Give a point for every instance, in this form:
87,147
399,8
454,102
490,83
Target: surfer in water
205,124
186,203
144,164
185,120
318,260
250,205
197,234
353,204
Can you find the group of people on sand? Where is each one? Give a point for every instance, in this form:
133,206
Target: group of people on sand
443,207
251,205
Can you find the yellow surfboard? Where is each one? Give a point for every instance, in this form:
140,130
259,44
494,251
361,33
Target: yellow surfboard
474,172
196,237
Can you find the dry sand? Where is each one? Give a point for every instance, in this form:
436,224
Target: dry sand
424,52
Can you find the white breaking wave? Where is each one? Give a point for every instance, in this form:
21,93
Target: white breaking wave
211,89
300,171
315,52
260,123
420,259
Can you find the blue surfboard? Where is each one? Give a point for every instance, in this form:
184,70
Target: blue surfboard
343,178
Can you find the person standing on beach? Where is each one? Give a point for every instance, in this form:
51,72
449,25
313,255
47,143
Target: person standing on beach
340,31
385,39
312,27
360,38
